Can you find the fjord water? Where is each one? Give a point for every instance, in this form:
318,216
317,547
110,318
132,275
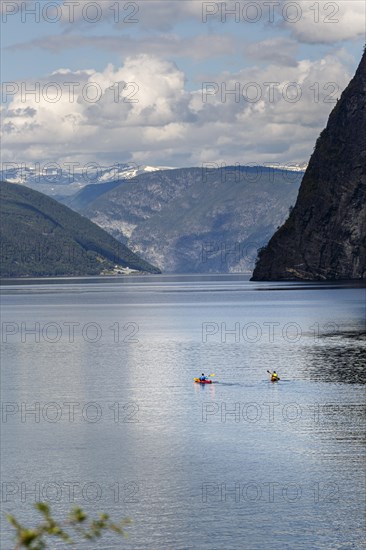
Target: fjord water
119,426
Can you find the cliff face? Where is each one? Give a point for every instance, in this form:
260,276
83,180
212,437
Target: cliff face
324,238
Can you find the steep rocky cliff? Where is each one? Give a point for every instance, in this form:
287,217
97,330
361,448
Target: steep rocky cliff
324,238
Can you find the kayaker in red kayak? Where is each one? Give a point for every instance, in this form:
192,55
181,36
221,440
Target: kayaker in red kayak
203,377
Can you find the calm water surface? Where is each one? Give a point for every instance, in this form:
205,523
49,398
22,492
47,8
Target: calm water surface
118,424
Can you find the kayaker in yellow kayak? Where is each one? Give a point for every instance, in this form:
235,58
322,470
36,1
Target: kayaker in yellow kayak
274,376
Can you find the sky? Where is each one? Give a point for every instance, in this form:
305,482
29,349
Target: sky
172,82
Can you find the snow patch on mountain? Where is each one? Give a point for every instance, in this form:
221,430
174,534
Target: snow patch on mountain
68,179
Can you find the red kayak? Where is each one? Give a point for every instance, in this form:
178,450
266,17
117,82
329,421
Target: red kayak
198,381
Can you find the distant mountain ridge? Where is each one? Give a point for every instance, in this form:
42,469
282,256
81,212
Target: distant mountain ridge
41,237
194,219
66,179
325,235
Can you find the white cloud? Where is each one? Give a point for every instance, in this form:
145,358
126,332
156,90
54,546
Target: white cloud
328,22
95,112
169,125
308,21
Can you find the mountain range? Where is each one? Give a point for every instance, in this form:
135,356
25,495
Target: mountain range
202,220
193,220
60,180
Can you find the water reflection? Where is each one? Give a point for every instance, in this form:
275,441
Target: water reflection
208,389
341,360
